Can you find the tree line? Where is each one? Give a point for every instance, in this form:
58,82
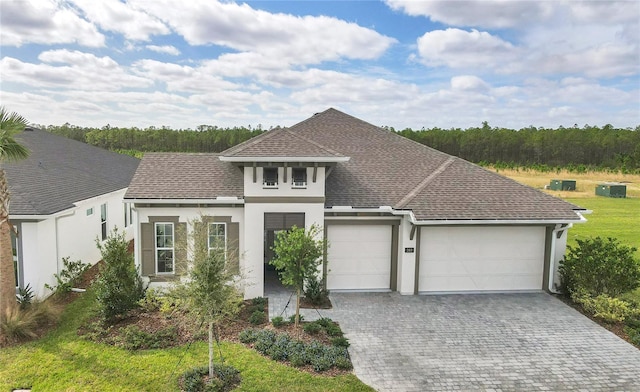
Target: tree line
588,147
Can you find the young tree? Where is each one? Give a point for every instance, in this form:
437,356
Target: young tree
211,291
298,258
119,286
10,150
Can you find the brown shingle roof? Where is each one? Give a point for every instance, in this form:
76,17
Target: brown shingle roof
280,142
184,176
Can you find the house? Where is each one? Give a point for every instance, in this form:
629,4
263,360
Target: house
398,215
64,196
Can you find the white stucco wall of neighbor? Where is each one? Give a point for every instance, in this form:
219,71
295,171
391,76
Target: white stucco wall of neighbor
71,233
254,238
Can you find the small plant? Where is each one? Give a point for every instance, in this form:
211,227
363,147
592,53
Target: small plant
225,378
25,296
340,341
277,321
312,328
69,276
292,318
259,302
257,317
315,292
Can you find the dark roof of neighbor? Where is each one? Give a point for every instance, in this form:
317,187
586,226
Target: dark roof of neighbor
280,142
384,169
60,172
185,176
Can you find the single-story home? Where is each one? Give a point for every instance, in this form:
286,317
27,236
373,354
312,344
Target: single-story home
398,215
64,196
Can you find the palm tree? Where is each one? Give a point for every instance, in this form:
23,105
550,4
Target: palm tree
10,150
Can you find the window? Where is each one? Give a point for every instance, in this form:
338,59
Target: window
103,221
89,211
164,248
14,249
218,237
270,177
128,214
299,177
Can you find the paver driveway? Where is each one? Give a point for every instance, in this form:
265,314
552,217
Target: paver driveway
523,342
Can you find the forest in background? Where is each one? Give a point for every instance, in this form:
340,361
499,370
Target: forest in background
576,149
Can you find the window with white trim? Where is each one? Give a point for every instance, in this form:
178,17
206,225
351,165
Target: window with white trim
299,177
270,177
218,237
165,249
103,221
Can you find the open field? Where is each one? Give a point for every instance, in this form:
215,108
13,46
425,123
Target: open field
611,217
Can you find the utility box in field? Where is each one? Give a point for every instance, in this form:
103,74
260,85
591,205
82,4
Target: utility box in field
611,189
563,185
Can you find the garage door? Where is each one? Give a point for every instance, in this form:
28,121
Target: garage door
359,257
481,258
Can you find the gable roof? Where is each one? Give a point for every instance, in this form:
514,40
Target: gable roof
384,169
60,172
280,144
185,176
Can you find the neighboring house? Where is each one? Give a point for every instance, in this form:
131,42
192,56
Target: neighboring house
398,215
64,196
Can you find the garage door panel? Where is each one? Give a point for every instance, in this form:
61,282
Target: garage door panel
481,258
359,257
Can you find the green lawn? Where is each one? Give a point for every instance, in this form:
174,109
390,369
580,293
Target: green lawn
63,361
617,218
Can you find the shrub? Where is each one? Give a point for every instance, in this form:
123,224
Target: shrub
340,341
292,318
69,276
315,292
277,321
257,317
259,302
119,286
600,267
312,328
25,296
226,378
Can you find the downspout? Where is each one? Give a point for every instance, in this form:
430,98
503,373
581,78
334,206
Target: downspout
552,254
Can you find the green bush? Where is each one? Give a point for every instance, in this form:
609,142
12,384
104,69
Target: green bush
257,317
600,266
226,377
119,286
69,276
312,328
315,292
277,321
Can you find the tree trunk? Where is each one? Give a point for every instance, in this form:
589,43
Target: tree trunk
211,349
297,321
7,272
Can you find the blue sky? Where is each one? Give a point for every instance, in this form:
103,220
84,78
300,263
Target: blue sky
397,63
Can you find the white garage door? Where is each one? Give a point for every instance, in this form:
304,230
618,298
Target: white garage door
359,257
481,258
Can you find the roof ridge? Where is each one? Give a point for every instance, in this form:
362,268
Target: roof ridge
306,139
423,184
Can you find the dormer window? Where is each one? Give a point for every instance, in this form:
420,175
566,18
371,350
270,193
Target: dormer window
270,177
299,177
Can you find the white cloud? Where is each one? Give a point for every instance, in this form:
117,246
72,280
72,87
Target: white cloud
166,49
79,70
114,15
300,40
457,48
479,13
45,22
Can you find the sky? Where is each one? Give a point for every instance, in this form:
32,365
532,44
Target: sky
395,63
